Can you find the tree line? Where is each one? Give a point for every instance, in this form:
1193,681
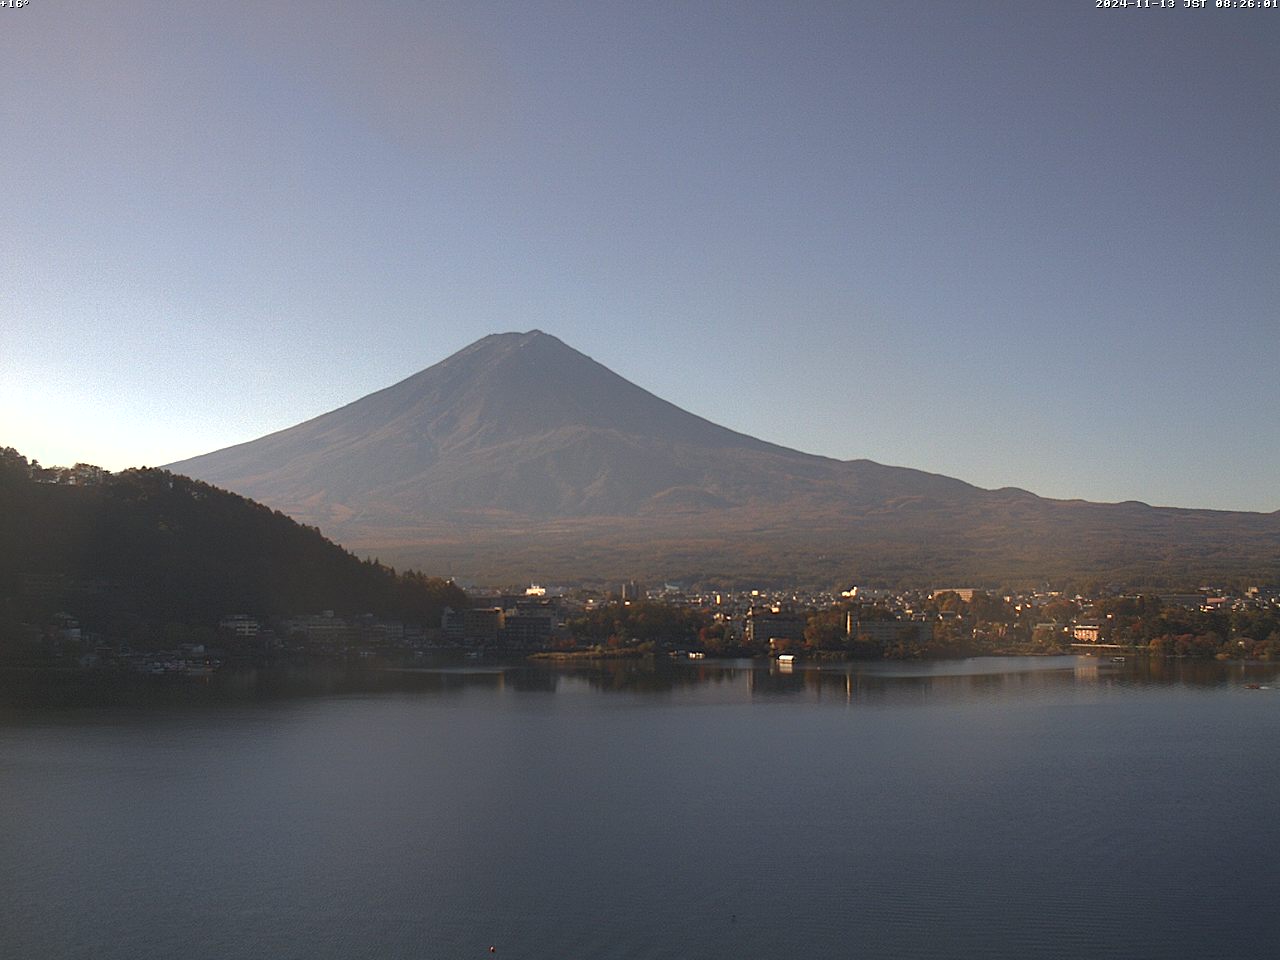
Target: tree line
130,552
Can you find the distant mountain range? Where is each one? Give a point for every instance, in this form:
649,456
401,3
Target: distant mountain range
519,457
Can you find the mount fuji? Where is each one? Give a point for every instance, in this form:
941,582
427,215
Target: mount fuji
519,457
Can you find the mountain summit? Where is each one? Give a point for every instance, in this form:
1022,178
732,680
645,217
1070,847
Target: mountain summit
520,456
524,425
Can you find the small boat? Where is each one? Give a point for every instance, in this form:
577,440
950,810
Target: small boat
786,658
1117,659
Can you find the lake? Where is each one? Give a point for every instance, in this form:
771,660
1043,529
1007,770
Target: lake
1002,807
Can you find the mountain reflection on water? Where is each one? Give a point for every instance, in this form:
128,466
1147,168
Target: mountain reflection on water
979,678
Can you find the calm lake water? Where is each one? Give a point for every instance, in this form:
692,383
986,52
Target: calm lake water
983,808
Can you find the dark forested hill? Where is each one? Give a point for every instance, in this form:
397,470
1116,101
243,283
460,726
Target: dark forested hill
151,547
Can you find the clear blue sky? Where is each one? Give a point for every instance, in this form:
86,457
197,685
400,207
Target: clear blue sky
1021,243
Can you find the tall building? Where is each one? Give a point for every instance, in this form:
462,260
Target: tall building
766,624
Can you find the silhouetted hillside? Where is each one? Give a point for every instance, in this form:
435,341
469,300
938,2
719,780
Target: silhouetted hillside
147,547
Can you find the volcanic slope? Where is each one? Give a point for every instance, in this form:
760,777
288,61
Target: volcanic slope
519,457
